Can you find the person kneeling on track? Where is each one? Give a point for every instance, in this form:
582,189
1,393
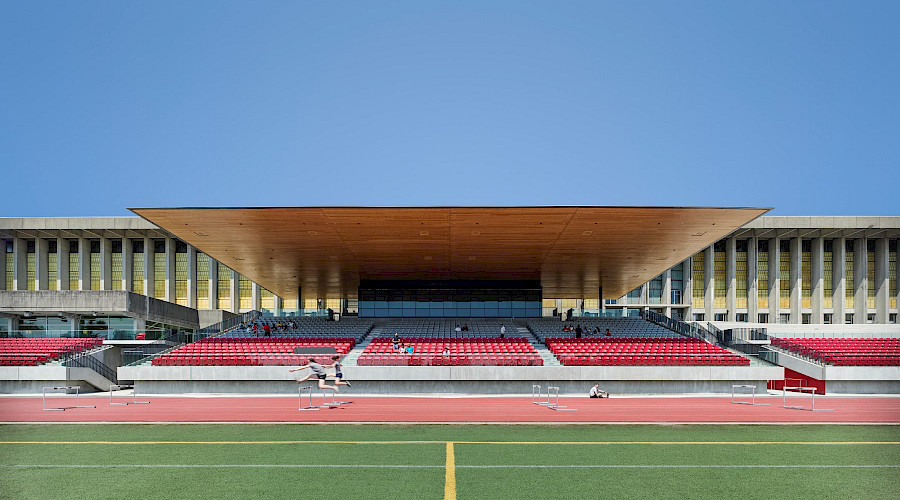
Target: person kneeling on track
596,392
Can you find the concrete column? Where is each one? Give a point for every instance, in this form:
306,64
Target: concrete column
730,278
191,276
257,298
709,283
170,270
213,283
106,264
127,264
148,268
20,264
796,276
859,281
838,279
667,287
84,264
62,264
279,306
774,280
235,293
817,281
882,284
41,263
752,281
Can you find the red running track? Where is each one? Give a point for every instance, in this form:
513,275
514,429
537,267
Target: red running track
455,410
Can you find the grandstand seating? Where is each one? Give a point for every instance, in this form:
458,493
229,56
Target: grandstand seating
463,351
289,326
31,352
845,351
618,328
251,351
446,328
661,351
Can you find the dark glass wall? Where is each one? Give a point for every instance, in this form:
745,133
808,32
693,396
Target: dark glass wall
449,300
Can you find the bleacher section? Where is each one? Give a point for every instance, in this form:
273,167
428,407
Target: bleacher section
31,352
618,328
622,351
287,326
463,351
252,351
446,328
845,351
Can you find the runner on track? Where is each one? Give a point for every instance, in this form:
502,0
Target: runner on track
318,371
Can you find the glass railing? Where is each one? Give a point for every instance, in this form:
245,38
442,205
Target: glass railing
296,312
86,334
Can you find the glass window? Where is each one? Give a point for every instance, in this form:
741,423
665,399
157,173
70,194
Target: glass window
266,299
159,269
202,281
806,274
697,275
73,264
784,275
720,284
245,292
848,275
762,274
224,287
827,275
892,272
676,279
870,274
30,265
52,269
740,269
181,279
95,264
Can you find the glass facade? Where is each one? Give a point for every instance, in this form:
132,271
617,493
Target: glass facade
224,287
870,274
740,274
9,264
762,274
806,274
720,285
73,265
655,290
633,297
159,269
30,265
784,275
245,293
52,268
676,279
449,303
202,281
892,272
137,266
697,275
95,264
266,299
848,275
828,274
181,277
115,267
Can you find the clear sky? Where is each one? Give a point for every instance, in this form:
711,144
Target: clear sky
787,104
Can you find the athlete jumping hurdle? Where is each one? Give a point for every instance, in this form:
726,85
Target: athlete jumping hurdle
318,371
337,371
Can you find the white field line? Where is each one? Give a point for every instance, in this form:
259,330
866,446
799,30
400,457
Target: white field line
419,466
555,443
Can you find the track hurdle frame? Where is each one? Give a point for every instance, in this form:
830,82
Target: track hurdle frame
801,389
76,388
309,407
557,406
537,398
752,401
119,387
332,403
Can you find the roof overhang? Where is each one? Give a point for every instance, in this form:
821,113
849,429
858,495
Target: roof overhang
573,251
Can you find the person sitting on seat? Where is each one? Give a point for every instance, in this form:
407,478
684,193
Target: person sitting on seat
596,392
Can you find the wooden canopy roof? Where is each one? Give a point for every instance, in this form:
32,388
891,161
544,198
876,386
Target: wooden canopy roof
573,251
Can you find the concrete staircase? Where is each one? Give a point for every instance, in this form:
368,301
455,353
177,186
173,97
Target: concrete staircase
547,356
353,355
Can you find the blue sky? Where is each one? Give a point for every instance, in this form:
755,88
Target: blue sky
107,104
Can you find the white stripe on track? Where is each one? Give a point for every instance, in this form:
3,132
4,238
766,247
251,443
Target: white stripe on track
405,466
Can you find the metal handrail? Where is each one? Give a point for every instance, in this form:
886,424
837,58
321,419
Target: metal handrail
230,323
86,360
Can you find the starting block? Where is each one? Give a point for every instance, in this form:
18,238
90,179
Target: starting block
76,388
119,387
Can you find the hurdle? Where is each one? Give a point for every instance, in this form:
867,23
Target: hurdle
310,406
752,395
332,403
537,397
557,407
801,390
119,387
76,388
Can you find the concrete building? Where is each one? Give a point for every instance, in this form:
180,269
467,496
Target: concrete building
772,270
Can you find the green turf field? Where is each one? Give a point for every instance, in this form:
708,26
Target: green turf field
484,461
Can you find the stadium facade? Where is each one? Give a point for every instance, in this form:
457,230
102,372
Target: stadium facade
771,270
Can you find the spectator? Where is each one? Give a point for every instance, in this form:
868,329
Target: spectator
608,334
267,330
502,331
465,327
